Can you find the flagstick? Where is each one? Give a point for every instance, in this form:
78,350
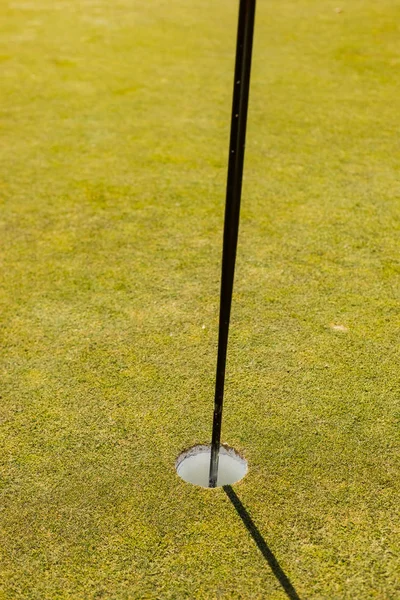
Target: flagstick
232,209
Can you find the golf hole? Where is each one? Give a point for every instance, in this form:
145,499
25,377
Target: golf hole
193,466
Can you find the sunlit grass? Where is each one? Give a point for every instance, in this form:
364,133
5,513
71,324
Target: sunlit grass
115,130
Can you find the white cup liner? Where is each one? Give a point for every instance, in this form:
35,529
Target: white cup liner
193,466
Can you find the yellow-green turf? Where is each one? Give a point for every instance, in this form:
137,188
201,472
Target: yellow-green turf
115,125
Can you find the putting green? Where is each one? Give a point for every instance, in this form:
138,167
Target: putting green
115,124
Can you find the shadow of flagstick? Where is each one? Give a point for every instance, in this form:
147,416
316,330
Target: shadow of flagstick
262,545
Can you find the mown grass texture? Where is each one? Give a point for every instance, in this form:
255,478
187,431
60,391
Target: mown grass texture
115,119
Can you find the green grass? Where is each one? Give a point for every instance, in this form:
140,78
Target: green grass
115,120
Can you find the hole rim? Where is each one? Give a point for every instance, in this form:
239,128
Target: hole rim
204,448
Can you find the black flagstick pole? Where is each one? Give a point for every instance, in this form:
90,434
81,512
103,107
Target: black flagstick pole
241,86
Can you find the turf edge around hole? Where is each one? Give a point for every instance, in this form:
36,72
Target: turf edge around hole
193,465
